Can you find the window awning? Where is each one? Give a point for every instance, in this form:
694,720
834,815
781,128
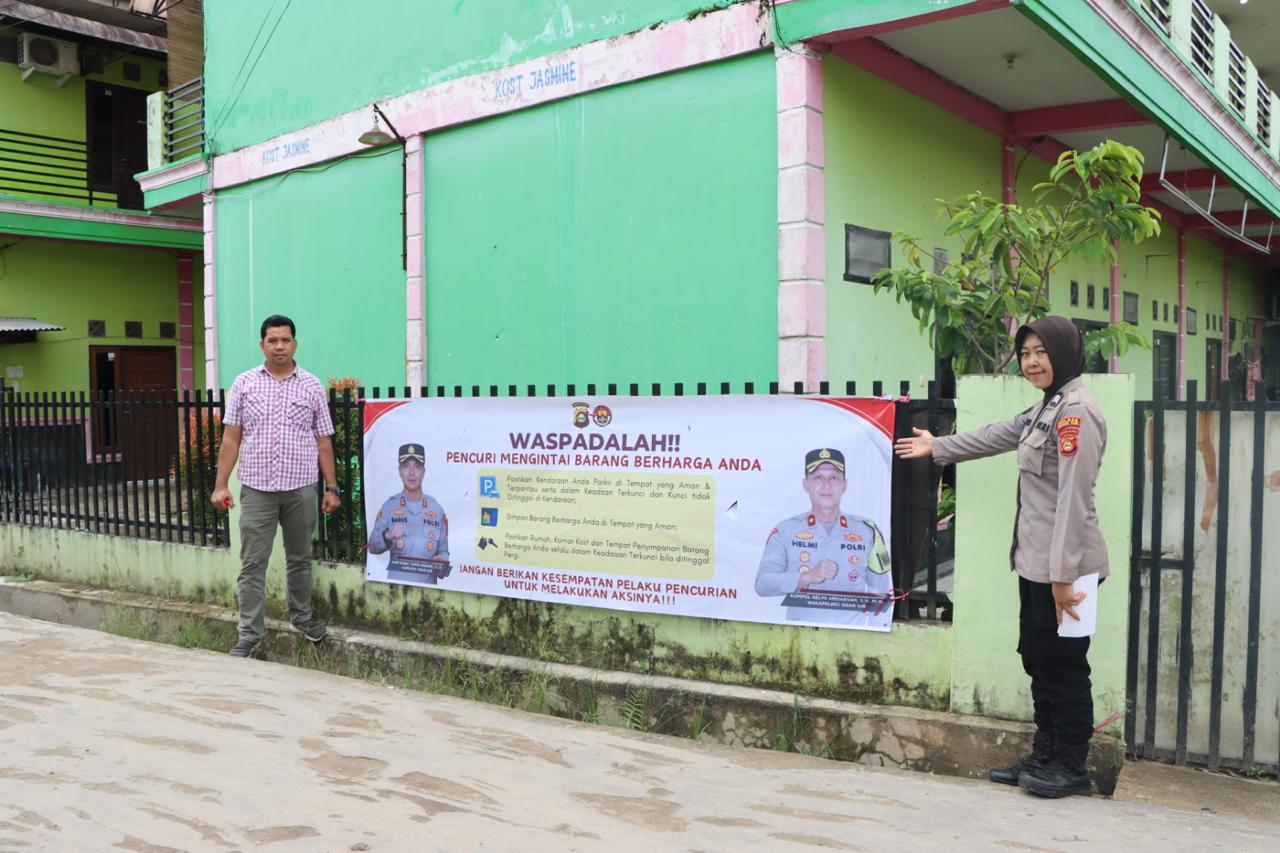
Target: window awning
27,324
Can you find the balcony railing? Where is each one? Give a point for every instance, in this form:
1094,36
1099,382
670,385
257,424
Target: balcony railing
1203,41
184,120
33,165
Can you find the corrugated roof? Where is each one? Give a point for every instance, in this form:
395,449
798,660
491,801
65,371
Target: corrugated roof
27,324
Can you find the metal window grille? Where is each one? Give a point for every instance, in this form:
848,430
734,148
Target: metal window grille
133,328
1202,37
97,328
168,330
184,120
1236,78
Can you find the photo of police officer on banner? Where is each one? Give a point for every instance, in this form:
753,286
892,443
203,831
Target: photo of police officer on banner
412,526
828,566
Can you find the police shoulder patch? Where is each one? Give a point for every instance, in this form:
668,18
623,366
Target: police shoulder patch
1068,436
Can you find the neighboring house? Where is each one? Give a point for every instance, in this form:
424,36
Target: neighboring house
662,191
95,292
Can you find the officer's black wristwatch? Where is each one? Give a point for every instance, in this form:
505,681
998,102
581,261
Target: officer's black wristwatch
337,490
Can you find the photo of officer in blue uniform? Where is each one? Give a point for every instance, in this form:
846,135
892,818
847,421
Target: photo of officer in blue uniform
826,565
412,526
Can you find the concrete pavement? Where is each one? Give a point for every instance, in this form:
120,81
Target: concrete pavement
109,743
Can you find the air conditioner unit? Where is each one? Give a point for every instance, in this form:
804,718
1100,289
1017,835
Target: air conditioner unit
48,56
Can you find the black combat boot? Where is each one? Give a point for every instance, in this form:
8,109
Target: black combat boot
1041,753
1065,775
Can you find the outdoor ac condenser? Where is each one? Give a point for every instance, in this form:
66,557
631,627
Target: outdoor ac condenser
48,56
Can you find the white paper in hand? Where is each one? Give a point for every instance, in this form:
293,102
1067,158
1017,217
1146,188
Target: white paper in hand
1087,610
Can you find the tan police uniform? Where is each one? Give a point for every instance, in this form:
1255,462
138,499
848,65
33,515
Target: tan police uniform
1060,443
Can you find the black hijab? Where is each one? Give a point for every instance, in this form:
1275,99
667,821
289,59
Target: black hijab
1064,343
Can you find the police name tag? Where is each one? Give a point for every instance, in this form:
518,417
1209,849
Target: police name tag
850,602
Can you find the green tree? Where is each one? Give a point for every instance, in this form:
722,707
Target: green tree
1090,204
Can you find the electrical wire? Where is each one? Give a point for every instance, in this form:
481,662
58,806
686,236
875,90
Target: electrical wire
225,113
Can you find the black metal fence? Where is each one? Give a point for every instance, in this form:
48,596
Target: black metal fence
143,464
1204,689
48,167
136,463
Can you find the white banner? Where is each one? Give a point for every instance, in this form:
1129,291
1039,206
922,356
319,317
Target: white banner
762,509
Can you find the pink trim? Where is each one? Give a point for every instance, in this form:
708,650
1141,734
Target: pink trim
1182,313
872,56
96,214
958,11
415,368
1069,118
1232,219
186,337
1008,173
211,378
802,260
732,31
1191,179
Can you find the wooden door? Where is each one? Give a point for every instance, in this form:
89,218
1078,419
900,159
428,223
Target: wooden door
1212,367
116,133
142,426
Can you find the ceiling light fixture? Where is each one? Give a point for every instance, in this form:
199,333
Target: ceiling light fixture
376,135
1008,62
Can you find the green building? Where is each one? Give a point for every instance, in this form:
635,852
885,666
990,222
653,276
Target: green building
662,192
96,292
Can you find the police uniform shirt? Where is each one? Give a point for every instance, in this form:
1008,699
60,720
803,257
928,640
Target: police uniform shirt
853,543
1060,442
426,529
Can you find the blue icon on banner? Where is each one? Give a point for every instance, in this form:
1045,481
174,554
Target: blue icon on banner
489,516
489,487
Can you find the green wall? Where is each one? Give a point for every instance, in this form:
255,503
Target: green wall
349,59
624,235
39,105
884,171
987,677
71,283
322,246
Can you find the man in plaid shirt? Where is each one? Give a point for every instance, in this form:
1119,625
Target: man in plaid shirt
277,425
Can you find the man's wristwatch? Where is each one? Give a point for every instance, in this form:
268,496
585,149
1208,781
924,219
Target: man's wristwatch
337,490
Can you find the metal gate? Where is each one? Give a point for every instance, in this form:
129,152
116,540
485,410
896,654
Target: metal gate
1204,605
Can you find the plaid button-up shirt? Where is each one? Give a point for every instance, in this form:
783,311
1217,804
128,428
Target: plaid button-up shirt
281,419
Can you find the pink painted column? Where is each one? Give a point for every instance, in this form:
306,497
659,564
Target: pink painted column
186,318
211,381
415,348
802,267
1114,366
1179,392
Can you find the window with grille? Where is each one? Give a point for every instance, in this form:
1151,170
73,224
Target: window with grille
133,328
97,328
168,330
1191,321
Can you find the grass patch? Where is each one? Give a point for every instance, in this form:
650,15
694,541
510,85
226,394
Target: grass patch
23,575
131,622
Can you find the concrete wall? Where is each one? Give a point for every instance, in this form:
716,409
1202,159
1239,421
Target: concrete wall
350,59
627,235
987,677
70,283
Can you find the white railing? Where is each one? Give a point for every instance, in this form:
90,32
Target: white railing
1202,40
1159,13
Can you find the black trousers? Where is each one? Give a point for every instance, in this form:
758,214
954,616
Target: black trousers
1058,666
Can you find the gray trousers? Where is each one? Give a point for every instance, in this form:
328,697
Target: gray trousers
260,512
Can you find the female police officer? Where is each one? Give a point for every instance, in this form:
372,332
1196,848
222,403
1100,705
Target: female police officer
1056,540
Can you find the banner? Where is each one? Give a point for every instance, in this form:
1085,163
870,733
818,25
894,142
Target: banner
761,509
